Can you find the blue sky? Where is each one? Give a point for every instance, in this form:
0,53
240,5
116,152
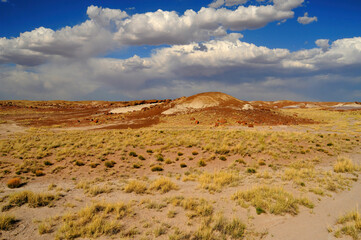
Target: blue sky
133,49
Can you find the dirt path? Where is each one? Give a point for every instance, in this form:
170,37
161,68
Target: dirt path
314,225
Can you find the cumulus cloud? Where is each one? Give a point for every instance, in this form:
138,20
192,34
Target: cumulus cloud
228,3
108,29
323,44
306,19
242,69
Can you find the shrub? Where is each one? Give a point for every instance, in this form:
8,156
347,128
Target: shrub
33,199
241,161
223,158
183,165
137,165
163,185
202,163
110,164
141,157
150,151
261,163
7,222
39,173
194,153
160,158
273,199
133,154
94,165
14,183
136,186
48,163
180,154
157,168
344,164
251,170
79,163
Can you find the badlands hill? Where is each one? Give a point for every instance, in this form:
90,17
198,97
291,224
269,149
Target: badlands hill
211,109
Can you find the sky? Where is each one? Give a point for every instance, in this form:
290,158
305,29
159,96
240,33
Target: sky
302,50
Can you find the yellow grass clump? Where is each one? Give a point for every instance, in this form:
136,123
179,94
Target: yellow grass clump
163,185
33,199
218,180
350,225
272,199
7,222
138,187
345,164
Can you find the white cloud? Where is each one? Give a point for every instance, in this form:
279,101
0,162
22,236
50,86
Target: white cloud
108,29
323,44
306,19
228,3
242,69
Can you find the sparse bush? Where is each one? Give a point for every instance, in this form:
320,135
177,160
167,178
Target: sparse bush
7,222
110,164
160,158
273,199
157,168
251,170
14,183
261,163
136,186
194,153
94,165
150,151
218,180
137,165
141,157
223,158
202,163
33,199
48,163
183,165
133,154
163,185
79,163
350,225
241,161
180,154
39,173
344,164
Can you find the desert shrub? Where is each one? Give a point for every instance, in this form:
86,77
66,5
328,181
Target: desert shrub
261,162
180,154
109,164
350,225
141,157
14,183
39,173
194,153
273,199
251,170
163,185
94,165
344,164
133,154
218,180
160,158
241,161
7,222
137,165
202,163
136,186
183,165
157,168
27,197
223,158
79,163
48,163
94,221
150,151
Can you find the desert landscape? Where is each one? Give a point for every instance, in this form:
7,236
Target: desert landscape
207,166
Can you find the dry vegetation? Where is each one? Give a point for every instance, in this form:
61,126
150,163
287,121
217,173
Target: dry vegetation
167,182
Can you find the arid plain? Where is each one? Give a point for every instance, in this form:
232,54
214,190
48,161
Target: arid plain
208,166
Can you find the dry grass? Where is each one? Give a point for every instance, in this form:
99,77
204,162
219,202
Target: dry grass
91,189
274,200
196,207
94,221
163,185
34,200
344,164
7,222
138,187
215,182
350,225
